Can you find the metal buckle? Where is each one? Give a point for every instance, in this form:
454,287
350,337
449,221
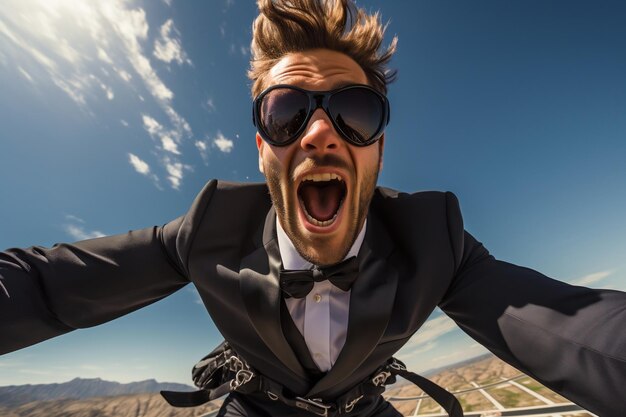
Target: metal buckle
235,364
315,406
397,365
381,378
272,396
243,376
350,405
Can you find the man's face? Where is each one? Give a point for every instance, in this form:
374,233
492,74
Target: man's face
321,216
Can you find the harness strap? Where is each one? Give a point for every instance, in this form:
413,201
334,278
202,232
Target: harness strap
437,393
246,381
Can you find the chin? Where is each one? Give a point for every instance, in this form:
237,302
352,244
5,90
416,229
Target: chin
324,249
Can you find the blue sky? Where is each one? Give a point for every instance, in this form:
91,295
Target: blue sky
115,113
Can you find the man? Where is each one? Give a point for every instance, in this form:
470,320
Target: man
320,111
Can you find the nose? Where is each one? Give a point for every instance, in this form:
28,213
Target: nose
320,134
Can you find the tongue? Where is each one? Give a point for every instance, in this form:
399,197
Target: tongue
321,199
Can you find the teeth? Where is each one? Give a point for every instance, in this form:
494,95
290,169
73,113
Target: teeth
326,176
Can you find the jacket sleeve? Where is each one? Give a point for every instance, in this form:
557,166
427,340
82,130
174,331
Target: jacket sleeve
570,338
46,292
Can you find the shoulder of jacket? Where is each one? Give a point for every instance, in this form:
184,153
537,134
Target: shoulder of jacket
392,196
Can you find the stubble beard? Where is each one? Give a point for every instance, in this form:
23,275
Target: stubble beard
316,250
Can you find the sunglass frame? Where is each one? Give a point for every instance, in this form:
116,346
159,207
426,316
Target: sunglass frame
320,100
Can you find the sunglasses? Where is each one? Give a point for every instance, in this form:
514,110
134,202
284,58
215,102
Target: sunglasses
358,113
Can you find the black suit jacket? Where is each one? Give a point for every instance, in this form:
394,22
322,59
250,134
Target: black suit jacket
415,256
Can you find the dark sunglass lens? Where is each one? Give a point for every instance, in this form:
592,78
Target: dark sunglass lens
282,113
358,112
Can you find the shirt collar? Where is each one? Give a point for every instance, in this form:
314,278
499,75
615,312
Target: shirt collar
292,259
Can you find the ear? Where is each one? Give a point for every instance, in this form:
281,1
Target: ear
259,145
381,148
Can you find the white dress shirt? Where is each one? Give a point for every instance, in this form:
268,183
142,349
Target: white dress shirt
322,316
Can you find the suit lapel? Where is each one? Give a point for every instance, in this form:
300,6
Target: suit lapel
262,296
371,303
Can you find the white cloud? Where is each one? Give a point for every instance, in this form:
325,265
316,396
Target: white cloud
196,295
175,170
223,144
407,353
25,74
124,123
79,232
143,168
169,145
592,278
76,229
103,56
433,329
64,43
458,356
156,130
151,125
140,166
426,337
210,105
108,91
167,47
73,218
124,75
204,150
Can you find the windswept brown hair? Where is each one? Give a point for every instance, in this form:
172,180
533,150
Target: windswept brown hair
286,26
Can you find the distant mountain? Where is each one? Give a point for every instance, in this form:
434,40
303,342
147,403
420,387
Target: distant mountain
135,405
78,388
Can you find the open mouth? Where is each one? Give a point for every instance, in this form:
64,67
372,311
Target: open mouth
321,197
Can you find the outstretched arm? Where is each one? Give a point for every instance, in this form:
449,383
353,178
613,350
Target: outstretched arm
571,338
46,292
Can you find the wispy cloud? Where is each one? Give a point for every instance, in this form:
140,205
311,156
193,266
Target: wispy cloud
143,168
471,351
140,166
163,136
25,74
168,47
204,150
592,278
175,171
73,218
210,105
223,143
67,43
196,296
77,230
426,337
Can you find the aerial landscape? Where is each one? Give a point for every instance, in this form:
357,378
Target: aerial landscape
485,386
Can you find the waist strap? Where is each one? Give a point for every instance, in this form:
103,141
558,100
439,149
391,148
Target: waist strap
233,374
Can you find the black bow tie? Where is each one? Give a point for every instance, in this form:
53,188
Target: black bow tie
298,283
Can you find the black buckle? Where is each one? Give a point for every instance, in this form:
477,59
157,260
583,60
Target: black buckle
313,406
